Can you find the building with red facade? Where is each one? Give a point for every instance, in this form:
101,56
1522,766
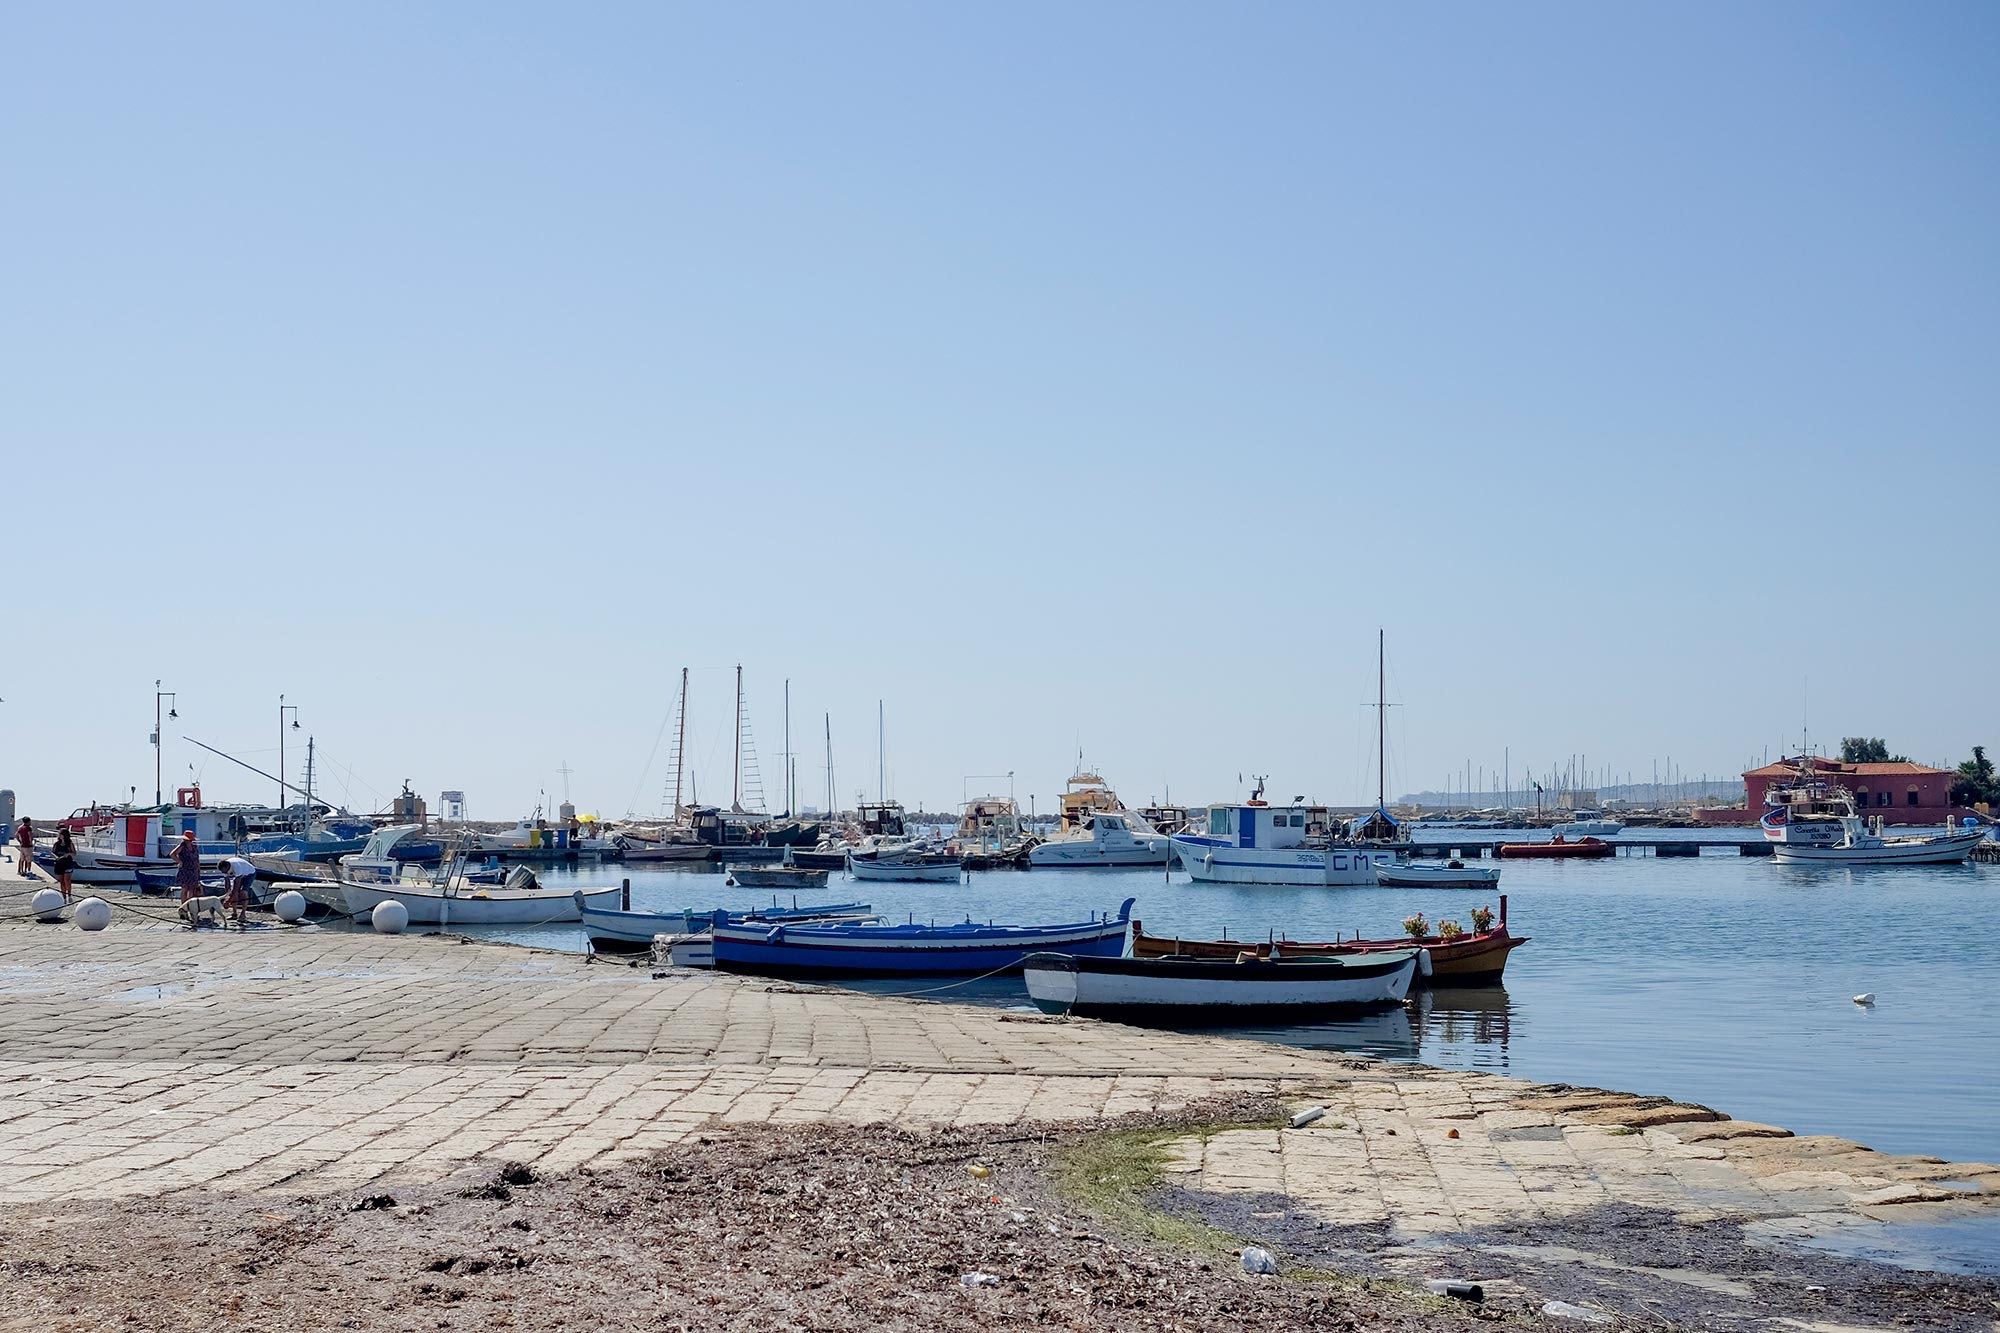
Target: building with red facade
1902,792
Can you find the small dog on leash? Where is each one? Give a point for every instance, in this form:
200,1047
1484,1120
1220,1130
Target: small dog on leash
195,909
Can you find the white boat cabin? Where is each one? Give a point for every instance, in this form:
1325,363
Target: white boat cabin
1256,824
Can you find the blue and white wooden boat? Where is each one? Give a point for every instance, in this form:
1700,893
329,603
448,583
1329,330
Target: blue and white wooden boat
1440,875
910,950
1251,842
613,928
1186,991
165,881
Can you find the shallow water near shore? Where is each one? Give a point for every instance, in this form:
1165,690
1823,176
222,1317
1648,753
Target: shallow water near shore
1720,979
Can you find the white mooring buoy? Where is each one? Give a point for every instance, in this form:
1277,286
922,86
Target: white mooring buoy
389,917
1865,999
289,905
93,914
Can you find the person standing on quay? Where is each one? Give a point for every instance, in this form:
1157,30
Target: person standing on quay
24,859
65,858
187,866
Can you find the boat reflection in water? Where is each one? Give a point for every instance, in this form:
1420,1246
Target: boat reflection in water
1465,1027
1468,1027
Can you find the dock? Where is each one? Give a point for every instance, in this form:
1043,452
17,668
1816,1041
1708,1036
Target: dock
1473,847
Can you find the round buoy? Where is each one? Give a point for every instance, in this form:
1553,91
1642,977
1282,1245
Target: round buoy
47,905
93,914
389,917
289,905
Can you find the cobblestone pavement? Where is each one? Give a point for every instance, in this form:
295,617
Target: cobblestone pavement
147,1059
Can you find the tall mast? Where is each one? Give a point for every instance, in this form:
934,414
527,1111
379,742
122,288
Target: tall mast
881,764
1381,726
788,746
831,809
680,745
736,787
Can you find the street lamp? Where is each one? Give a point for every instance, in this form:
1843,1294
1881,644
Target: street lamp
284,708
158,695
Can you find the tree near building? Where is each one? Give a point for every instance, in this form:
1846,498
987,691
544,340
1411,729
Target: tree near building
1868,750
1976,781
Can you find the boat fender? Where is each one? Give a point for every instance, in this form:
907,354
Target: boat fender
1423,962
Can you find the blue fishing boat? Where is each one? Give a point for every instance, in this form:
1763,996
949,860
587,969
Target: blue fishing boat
611,929
777,948
163,881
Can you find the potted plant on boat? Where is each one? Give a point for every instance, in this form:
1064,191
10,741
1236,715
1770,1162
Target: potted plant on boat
1416,927
1449,931
1482,920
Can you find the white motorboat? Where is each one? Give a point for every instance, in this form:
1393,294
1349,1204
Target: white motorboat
1863,845
1255,843
1438,875
908,868
1589,824
1183,990
1105,838
473,905
375,863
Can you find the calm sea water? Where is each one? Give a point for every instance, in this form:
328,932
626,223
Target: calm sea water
1721,979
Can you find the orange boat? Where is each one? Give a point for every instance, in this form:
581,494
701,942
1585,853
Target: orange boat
1557,848
1468,960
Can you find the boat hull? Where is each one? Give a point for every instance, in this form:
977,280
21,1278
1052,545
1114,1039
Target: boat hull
1588,850
1469,960
775,877
428,907
1198,991
1209,860
680,851
1437,877
909,950
1090,855
1949,849
917,872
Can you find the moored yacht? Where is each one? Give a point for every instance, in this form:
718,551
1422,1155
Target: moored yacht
1105,838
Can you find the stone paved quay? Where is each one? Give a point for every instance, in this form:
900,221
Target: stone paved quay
149,1059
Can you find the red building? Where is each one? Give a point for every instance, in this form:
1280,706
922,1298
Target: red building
1902,793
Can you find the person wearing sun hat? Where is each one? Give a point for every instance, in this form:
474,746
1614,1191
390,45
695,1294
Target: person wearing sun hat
187,865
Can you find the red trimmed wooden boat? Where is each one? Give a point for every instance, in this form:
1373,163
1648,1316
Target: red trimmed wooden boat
1557,848
1468,960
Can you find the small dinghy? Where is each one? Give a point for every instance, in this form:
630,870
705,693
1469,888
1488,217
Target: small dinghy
163,881
614,930
1194,991
1476,959
777,877
1558,848
1448,875
909,869
909,950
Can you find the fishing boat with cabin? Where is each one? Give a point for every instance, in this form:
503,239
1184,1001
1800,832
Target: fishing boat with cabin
1253,842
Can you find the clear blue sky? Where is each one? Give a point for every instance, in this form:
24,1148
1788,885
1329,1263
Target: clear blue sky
1063,375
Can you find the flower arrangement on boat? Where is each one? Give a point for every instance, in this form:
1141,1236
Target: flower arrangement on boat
1449,931
1482,920
1416,927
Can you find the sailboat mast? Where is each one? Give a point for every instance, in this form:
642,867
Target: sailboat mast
736,786
831,808
1381,726
788,746
881,764
680,745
